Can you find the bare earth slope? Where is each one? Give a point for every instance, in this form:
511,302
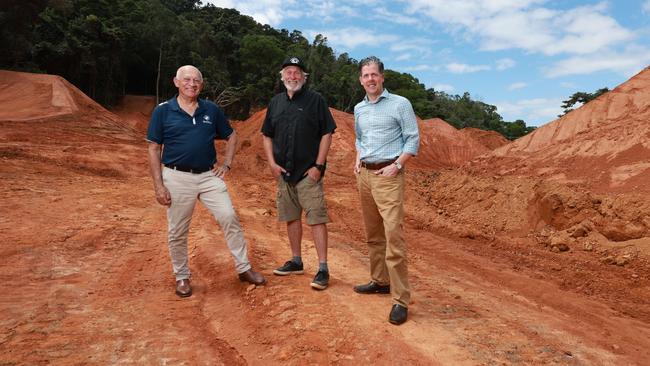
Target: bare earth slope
587,170
86,277
489,139
442,145
604,145
135,110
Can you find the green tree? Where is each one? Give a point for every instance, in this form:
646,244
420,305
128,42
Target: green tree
82,44
262,72
516,129
341,87
297,45
320,62
109,48
17,21
181,6
580,98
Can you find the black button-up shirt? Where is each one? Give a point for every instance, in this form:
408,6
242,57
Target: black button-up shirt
296,126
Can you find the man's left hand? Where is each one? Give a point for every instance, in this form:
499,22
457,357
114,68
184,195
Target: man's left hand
388,171
221,171
314,174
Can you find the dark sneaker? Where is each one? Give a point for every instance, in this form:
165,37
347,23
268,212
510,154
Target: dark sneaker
372,287
321,280
290,267
398,314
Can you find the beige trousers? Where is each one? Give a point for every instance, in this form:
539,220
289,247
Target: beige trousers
185,189
382,205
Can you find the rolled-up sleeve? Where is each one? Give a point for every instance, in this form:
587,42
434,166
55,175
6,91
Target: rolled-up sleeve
410,133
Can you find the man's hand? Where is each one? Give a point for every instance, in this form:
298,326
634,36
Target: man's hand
388,171
163,196
276,170
162,193
357,167
314,174
221,171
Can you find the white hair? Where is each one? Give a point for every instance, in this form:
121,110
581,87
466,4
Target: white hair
186,68
304,74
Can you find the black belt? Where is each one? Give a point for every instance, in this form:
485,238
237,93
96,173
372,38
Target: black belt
376,166
187,169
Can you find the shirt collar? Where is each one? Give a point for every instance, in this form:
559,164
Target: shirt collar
173,102
296,95
384,94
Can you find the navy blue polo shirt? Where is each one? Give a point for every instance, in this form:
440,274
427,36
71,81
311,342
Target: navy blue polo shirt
188,140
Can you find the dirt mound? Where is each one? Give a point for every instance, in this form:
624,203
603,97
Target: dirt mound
27,96
444,146
75,132
603,146
586,171
489,139
135,110
30,97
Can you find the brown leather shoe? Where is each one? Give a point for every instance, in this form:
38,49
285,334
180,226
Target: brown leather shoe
372,287
253,277
183,288
398,314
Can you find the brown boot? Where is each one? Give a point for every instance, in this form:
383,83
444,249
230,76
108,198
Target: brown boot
253,277
183,288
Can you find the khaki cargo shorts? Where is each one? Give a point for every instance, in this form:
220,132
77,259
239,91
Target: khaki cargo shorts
305,195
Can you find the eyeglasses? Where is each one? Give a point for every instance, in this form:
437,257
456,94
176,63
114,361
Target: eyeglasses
190,80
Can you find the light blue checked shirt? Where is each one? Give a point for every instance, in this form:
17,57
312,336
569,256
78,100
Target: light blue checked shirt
386,128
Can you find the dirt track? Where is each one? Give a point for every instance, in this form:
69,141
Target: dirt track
86,277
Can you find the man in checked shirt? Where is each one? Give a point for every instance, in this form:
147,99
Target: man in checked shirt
386,138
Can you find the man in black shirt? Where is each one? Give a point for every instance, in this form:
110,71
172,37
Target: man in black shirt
297,135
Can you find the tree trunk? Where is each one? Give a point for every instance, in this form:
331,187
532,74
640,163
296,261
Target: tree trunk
158,76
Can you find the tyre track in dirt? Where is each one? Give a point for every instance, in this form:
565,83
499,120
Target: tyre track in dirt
466,309
91,254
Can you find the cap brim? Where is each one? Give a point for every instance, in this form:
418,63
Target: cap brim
296,65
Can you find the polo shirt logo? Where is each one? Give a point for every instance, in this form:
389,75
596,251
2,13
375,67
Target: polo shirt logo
206,119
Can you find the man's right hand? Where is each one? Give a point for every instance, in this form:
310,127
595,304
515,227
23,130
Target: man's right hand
276,170
357,167
163,196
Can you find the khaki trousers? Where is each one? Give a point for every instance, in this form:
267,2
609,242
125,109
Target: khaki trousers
185,189
382,205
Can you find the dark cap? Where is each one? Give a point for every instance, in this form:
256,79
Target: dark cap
294,61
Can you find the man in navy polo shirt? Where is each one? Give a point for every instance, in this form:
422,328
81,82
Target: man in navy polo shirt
185,169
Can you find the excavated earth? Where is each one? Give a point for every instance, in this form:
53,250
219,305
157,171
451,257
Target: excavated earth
530,252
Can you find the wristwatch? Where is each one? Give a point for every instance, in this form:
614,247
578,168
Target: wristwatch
398,165
320,167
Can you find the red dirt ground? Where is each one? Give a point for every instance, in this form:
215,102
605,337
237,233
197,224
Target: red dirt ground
536,253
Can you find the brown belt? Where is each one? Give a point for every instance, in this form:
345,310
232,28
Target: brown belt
376,166
187,169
